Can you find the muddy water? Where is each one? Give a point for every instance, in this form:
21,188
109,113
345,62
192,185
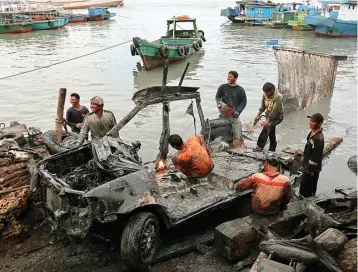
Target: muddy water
31,98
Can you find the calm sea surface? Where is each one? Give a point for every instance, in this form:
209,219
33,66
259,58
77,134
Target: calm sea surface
112,74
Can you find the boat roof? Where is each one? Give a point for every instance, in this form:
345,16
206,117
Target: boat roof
338,2
257,3
182,18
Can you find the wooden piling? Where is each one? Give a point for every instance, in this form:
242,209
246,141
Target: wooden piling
59,115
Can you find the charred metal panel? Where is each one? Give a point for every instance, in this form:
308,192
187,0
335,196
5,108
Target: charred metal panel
156,91
305,77
124,194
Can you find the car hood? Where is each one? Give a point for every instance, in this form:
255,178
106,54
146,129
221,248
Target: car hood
126,193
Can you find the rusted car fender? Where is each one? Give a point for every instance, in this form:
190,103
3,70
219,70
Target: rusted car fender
138,190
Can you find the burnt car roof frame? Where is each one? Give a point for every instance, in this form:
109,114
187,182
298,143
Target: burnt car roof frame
154,95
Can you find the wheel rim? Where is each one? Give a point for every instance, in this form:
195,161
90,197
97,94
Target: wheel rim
148,241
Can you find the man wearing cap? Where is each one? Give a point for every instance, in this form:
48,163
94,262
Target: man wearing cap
312,157
271,190
231,101
98,122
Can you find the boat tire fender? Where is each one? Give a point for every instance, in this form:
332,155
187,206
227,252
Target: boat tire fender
164,51
136,42
186,49
196,46
202,36
133,50
180,51
200,43
50,23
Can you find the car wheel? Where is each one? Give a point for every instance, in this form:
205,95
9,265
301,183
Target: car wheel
140,240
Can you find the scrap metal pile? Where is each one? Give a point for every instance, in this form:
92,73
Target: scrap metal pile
97,163
19,148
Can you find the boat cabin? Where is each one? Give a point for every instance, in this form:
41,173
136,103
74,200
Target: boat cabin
262,11
348,11
13,18
182,27
330,9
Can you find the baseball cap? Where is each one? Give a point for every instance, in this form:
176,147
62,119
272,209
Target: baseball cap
272,158
316,117
97,100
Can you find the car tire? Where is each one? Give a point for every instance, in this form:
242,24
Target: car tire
53,146
140,240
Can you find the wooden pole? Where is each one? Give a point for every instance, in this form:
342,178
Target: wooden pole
59,116
163,142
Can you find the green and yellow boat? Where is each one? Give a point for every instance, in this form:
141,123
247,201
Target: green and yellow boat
181,40
280,19
298,22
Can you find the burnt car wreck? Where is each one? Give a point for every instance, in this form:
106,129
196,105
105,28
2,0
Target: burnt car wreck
105,180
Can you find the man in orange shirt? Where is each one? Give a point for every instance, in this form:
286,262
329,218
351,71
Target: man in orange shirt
193,158
272,191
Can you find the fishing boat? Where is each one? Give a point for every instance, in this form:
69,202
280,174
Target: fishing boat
257,13
49,24
298,22
75,18
181,40
286,16
46,19
13,22
99,14
236,14
341,23
92,4
281,16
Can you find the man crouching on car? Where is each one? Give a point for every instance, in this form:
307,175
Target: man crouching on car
193,158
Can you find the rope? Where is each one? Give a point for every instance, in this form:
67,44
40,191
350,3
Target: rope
60,62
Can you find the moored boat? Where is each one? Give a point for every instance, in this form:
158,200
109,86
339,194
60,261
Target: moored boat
15,28
298,22
179,42
99,14
13,22
284,14
257,13
236,14
49,24
342,23
46,19
75,18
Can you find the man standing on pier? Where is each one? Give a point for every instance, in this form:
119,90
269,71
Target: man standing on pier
98,122
75,114
272,103
312,157
231,101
